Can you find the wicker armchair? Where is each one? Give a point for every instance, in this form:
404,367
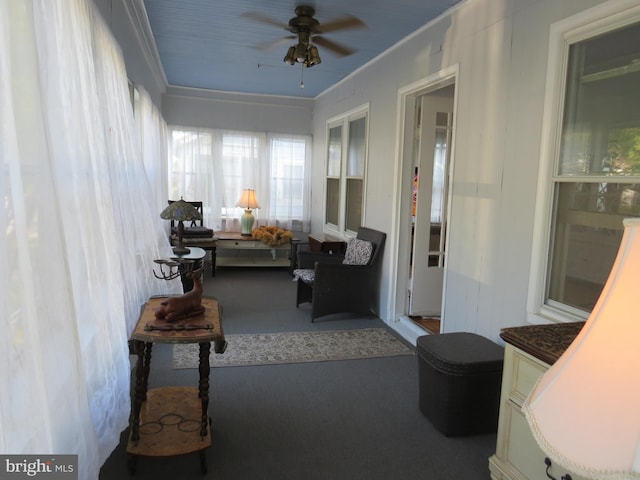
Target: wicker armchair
342,284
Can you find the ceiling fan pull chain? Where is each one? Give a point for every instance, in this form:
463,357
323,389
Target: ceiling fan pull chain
302,75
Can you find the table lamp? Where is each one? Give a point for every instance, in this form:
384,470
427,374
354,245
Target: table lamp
181,211
248,201
585,410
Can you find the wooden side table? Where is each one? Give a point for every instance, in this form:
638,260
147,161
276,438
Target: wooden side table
170,421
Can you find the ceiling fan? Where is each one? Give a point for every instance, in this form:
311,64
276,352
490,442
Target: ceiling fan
307,29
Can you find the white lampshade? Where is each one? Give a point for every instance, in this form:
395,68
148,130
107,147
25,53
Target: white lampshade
248,199
585,410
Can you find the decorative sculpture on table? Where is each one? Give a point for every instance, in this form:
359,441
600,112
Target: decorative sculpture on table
181,306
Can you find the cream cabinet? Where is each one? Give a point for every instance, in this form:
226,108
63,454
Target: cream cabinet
518,456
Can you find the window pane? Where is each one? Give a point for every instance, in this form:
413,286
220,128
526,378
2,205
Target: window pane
356,157
601,131
354,204
587,234
600,138
287,178
346,157
439,176
240,156
333,200
334,153
189,151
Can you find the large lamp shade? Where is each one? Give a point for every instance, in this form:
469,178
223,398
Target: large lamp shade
585,410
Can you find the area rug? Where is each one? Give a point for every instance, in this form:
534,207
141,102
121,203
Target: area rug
296,347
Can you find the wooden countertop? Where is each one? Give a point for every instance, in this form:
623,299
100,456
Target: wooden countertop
206,327
545,342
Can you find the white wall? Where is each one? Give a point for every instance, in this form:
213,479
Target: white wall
235,111
500,47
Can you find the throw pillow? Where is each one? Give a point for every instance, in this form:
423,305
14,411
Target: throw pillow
358,252
307,275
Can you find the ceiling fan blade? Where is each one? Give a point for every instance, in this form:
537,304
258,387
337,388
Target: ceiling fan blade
276,43
333,46
340,24
258,17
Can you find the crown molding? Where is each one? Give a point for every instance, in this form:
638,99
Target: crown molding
137,14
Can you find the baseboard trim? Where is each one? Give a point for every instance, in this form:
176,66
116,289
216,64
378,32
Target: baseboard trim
408,329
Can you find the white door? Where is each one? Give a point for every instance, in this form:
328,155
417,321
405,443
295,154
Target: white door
429,216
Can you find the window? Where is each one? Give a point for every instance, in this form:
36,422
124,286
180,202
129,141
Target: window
346,167
596,179
288,158
214,166
334,170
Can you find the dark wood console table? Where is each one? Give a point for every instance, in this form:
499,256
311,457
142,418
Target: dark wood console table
171,421
319,242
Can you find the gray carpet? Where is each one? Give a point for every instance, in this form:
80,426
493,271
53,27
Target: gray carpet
351,419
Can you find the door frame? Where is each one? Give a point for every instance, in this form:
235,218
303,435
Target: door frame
400,240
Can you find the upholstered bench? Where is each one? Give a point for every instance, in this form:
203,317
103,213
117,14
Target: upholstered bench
460,375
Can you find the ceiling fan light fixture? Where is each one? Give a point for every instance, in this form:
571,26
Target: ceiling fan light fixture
290,57
313,57
307,29
301,52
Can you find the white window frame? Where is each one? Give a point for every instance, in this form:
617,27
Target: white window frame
599,20
344,121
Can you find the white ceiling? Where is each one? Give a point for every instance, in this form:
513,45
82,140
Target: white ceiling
212,44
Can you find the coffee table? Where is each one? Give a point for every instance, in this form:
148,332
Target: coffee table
243,245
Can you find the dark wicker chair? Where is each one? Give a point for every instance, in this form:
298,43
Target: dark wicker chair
336,287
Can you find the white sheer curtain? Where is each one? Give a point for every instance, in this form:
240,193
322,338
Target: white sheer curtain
241,163
191,171
289,199
81,232
215,166
153,138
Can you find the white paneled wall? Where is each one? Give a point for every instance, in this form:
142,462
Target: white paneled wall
500,48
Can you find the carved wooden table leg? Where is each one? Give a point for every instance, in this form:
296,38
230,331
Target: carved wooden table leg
147,369
205,349
140,391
